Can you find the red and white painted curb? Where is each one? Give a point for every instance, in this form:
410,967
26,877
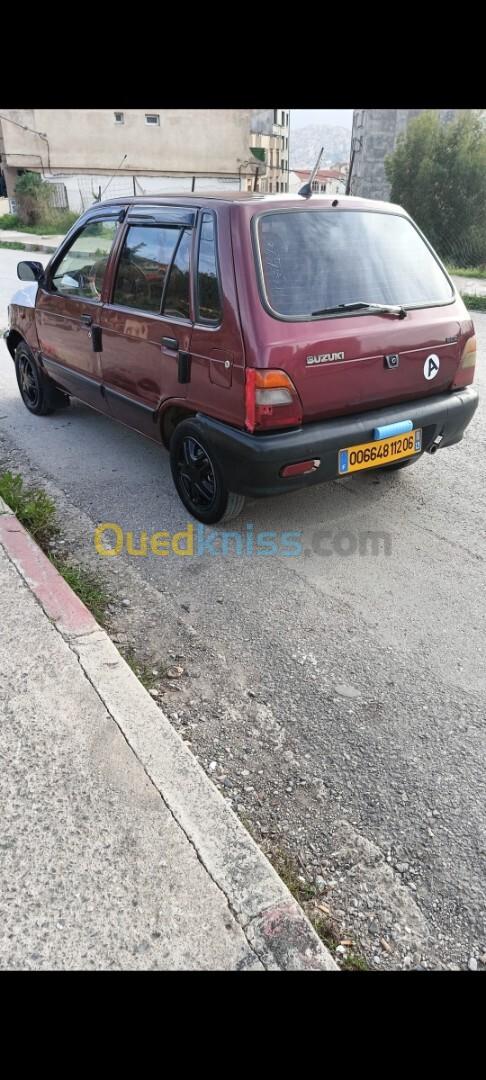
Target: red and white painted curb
56,597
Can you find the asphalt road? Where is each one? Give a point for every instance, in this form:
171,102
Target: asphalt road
343,710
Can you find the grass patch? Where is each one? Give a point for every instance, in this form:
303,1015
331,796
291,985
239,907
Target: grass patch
14,245
474,302
9,221
34,509
87,585
471,271
354,962
57,224
143,671
324,927
305,893
289,873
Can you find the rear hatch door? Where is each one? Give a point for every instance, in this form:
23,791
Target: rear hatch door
314,258
362,362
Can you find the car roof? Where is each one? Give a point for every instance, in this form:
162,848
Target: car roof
200,199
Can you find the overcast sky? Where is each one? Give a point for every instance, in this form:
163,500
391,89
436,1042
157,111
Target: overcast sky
335,117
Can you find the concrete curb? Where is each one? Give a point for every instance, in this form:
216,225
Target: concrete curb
276,928
46,249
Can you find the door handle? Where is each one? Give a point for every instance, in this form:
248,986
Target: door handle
170,343
86,320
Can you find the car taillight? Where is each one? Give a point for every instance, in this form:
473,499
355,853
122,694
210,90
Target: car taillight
271,400
465,371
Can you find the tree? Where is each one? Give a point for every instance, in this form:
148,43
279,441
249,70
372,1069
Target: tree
438,174
33,196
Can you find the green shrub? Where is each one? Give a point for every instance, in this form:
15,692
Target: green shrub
53,222
33,194
9,221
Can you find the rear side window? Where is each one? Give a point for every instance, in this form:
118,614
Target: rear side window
176,301
142,269
208,291
312,259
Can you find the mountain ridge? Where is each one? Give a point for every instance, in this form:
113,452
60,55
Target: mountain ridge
305,143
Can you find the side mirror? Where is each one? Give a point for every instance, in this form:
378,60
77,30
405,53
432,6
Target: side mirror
30,271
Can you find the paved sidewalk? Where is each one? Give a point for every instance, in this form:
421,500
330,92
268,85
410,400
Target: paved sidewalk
116,850
31,241
470,285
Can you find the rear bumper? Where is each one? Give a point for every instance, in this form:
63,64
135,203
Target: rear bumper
251,463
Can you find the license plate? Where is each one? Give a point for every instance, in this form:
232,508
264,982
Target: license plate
380,452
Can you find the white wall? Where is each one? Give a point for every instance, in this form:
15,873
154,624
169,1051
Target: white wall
186,140
82,189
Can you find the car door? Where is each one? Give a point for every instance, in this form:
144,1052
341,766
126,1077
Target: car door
146,326
217,354
68,308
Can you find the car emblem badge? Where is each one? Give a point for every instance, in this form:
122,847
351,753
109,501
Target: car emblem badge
392,360
324,358
431,366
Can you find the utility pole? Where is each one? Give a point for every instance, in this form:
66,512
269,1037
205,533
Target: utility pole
356,144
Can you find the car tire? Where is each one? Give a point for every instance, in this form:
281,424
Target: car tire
198,478
38,393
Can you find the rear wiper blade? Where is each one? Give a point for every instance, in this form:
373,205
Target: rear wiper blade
358,305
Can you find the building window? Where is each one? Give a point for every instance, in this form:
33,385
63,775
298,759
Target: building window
119,117
275,116
152,119
284,166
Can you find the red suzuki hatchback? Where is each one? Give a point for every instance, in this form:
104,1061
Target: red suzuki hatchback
268,342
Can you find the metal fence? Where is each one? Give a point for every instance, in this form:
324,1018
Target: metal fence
81,191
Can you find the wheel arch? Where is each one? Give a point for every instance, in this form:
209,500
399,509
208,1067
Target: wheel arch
13,339
172,416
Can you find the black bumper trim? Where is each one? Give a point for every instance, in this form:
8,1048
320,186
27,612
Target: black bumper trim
251,463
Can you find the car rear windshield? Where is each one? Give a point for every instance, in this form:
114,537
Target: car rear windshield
313,259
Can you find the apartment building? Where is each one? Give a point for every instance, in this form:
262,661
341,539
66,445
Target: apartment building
325,182
95,153
270,132
375,134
